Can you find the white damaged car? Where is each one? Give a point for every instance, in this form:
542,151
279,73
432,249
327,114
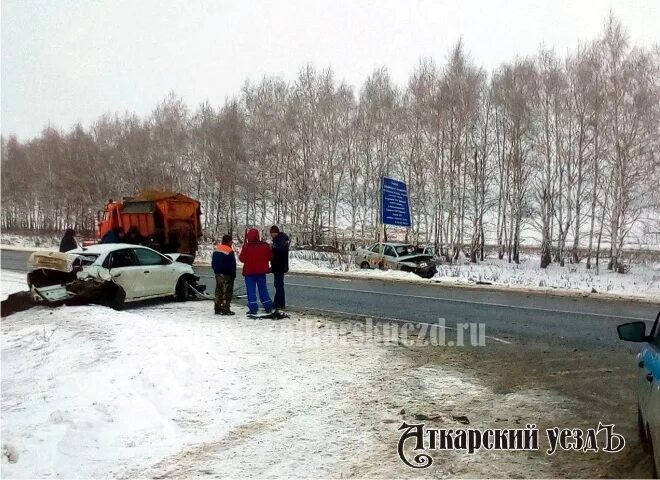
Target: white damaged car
398,256
110,274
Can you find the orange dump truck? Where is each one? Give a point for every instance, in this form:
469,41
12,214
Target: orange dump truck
168,222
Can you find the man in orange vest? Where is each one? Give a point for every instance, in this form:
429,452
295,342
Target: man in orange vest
223,262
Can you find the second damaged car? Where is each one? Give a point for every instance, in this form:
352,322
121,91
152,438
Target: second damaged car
109,274
397,256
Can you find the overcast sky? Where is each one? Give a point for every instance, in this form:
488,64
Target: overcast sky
65,61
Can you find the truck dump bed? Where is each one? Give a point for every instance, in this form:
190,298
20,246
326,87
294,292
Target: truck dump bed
170,221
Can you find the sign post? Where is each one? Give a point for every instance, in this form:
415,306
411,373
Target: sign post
395,207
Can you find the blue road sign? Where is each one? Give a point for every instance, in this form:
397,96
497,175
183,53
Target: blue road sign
394,204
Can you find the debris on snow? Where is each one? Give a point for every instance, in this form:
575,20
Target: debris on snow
16,302
9,453
461,419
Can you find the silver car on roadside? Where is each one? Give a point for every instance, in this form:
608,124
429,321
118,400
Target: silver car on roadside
397,256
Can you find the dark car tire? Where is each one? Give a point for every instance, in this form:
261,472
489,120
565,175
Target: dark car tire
365,265
117,299
182,290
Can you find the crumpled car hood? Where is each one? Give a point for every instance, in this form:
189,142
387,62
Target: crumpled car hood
416,258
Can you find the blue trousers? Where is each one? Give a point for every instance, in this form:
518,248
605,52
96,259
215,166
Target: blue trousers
279,300
252,284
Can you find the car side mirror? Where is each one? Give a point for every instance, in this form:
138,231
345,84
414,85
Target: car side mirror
632,332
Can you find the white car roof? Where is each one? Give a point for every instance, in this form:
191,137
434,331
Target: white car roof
102,248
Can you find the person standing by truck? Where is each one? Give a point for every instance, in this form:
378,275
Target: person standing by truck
256,256
68,241
134,236
223,262
113,236
279,265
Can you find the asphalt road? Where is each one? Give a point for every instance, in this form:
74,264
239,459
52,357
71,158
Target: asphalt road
564,345
510,317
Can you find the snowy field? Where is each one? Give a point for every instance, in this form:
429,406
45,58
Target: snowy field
172,390
29,243
643,281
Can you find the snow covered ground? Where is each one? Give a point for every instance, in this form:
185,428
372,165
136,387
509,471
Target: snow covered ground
29,242
642,282
169,389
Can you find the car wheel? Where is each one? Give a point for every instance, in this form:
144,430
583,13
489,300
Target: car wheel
406,269
365,265
182,290
117,298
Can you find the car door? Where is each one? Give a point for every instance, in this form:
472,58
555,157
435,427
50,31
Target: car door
649,388
376,255
390,257
126,272
159,274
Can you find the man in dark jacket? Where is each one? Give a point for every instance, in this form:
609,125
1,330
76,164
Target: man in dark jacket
112,236
68,241
279,265
256,256
223,262
134,236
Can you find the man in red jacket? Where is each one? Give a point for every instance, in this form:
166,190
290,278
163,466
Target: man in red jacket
256,256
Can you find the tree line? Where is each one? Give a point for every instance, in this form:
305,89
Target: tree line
562,149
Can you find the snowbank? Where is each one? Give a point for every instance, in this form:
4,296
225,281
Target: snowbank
29,243
172,390
642,282
11,282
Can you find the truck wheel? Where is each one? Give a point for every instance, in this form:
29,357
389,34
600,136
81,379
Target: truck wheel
117,298
182,290
365,265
